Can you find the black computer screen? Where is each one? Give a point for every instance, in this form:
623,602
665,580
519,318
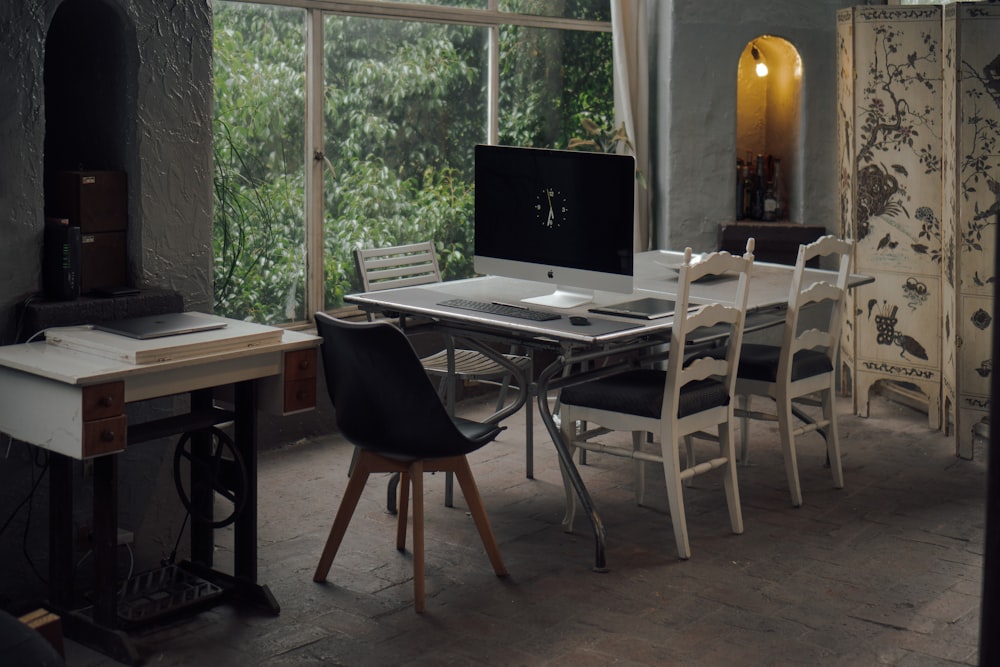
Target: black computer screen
539,211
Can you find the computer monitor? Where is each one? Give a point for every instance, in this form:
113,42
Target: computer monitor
553,216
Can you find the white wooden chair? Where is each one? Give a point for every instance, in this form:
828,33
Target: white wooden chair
689,398
801,370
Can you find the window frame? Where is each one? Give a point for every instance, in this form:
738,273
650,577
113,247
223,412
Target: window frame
490,17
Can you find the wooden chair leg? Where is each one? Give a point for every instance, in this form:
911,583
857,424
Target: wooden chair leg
675,493
478,511
352,494
354,461
727,450
411,475
833,438
786,431
417,479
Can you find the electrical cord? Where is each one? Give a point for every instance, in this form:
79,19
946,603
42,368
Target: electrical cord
27,522
42,461
31,493
169,560
43,332
20,318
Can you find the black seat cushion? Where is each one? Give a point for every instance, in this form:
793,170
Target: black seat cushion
760,362
640,392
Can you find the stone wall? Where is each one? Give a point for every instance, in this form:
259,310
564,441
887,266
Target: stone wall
166,151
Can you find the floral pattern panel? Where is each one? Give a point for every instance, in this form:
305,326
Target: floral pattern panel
972,209
892,130
845,162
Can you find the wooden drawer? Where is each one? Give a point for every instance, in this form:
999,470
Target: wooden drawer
300,395
299,381
104,436
104,421
101,401
300,364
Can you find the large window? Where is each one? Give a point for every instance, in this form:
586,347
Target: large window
356,127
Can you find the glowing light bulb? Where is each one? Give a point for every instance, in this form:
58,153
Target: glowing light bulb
760,67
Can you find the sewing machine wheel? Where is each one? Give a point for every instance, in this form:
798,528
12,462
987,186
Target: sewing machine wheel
219,473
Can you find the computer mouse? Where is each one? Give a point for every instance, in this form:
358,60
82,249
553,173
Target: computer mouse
579,320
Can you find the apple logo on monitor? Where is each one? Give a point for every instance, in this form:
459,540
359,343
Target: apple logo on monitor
550,274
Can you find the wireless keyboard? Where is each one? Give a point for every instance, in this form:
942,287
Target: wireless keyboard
508,310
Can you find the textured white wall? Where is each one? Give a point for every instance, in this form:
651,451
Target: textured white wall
698,45
169,156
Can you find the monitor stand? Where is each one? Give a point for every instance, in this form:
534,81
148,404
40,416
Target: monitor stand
563,297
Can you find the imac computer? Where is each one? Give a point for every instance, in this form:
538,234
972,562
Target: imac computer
558,217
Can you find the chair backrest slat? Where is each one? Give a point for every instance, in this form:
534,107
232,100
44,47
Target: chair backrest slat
397,266
821,331
726,317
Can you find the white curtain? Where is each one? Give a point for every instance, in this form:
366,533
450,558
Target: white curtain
631,73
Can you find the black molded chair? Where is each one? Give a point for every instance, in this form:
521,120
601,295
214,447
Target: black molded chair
414,265
387,407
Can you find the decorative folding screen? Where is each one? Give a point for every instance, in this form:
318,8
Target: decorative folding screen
919,135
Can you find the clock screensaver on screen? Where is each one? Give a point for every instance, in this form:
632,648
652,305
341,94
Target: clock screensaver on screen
561,208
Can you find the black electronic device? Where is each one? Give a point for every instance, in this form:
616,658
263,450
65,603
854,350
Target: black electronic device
643,309
60,260
564,218
505,309
96,202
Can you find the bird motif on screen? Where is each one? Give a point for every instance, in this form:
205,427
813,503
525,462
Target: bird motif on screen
886,242
909,346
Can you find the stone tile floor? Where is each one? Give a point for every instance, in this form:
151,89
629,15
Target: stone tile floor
886,571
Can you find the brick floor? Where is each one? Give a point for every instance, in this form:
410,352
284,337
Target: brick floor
886,571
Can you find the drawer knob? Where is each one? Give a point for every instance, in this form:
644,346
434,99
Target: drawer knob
107,436
106,401
304,364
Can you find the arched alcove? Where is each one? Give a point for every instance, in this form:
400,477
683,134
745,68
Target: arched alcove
89,128
87,119
768,118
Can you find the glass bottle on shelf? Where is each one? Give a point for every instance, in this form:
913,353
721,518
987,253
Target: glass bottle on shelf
780,211
747,189
759,183
770,204
740,190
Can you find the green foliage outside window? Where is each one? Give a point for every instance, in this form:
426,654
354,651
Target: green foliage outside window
405,104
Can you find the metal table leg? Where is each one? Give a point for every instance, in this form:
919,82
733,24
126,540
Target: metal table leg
554,369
